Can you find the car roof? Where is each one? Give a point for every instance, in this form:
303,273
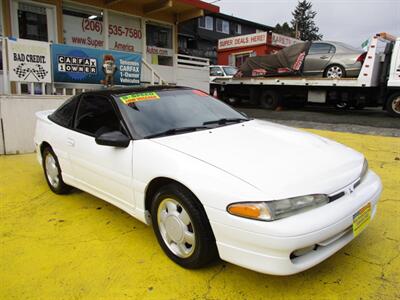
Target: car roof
117,91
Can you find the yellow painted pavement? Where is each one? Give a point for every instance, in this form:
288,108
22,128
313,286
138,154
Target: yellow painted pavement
79,247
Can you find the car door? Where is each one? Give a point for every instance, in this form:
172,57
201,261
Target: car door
105,171
318,58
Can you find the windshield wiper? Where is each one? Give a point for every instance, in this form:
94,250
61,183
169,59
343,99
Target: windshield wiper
224,121
175,131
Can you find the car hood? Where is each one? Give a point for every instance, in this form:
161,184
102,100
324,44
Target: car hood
279,161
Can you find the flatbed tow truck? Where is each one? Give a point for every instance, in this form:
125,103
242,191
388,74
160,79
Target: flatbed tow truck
378,84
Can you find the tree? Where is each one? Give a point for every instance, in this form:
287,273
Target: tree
303,21
284,29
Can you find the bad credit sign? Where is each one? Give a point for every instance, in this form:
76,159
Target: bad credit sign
243,41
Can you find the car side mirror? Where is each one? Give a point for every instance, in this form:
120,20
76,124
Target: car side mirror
113,138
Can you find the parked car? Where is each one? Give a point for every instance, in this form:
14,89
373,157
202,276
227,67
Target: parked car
211,181
222,71
333,60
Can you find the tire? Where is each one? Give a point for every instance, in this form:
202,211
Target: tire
335,71
270,100
182,228
52,172
393,105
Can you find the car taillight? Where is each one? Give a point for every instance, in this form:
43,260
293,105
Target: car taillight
361,58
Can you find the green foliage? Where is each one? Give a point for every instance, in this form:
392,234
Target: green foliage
303,17
284,29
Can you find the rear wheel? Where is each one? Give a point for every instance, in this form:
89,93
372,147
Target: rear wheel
393,105
52,172
270,100
182,228
335,71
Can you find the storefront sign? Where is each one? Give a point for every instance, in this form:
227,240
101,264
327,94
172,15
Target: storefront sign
85,65
283,40
159,51
243,41
83,32
29,61
124,33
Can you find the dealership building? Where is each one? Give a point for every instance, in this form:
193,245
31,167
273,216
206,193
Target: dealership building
51,49
147,27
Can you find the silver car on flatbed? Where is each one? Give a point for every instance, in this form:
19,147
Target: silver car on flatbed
333,60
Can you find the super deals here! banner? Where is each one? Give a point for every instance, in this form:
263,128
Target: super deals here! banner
95,66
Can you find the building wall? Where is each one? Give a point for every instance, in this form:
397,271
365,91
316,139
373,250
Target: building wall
204,42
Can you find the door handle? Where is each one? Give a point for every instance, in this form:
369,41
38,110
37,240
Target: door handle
324,57
70,142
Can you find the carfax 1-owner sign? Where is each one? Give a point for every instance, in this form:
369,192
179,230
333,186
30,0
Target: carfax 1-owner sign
29,61
95,66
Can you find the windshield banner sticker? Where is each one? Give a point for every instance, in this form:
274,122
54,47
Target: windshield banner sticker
139,97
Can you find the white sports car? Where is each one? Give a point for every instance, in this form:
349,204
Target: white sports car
211,181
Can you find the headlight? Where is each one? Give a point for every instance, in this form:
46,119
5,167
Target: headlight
364,170
277,209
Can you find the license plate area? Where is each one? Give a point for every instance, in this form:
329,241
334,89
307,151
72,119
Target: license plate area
361,219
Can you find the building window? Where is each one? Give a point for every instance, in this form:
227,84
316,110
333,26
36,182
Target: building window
32,22
159,44
206,22
222,26
238,28
83,27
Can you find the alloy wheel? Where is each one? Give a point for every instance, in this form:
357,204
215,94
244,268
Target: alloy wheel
334,72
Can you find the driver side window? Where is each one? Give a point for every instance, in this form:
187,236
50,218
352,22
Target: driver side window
96,115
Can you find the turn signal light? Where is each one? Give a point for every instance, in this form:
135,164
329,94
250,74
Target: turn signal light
245,210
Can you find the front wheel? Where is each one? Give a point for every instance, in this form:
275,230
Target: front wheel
52,172
335,71
182,228
393,105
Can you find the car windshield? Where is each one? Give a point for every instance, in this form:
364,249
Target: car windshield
230,71
167,112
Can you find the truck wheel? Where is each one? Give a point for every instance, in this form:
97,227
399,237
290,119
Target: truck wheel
393,105
270,100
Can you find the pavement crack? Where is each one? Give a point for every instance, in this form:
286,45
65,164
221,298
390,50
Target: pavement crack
209,281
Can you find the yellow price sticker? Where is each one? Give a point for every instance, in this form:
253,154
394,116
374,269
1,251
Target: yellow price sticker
146,96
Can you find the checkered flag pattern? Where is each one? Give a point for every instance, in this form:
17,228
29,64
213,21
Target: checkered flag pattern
22,71
40,71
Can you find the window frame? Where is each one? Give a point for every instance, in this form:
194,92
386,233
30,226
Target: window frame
211,23
81,98
332,48
238,28
51,10
222,25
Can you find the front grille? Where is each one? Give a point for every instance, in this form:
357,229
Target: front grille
348,189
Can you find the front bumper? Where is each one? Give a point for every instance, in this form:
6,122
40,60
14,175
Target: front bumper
269,247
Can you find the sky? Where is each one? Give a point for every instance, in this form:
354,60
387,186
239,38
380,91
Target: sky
351,21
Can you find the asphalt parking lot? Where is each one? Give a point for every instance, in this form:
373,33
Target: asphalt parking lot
79,247
373,121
